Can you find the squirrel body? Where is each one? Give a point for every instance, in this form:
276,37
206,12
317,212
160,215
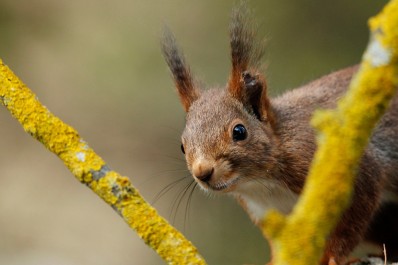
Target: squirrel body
240,142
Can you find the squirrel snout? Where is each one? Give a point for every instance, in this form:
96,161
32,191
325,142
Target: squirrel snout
203,171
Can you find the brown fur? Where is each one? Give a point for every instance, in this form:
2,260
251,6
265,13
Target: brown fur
267,168
181,72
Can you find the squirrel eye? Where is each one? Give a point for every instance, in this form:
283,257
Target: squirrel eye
182,149
239,133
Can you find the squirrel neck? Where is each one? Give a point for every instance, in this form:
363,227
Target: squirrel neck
293,148
293,145
281,185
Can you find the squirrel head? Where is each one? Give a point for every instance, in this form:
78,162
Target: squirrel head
228,140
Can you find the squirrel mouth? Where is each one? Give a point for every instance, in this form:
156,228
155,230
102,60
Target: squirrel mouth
223,185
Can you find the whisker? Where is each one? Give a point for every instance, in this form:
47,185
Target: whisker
161,173
173,158
180,198
291,195
166,189
175,170
190,195
177,201
256,179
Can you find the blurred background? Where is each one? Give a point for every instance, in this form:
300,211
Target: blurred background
97,65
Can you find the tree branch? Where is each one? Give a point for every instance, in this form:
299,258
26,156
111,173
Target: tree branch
300,237
90,169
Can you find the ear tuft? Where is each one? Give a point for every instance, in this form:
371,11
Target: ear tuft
181,72
246,50
245,83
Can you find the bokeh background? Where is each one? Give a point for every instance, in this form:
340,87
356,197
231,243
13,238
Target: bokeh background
97,65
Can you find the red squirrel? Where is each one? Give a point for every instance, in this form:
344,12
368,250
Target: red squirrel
238,141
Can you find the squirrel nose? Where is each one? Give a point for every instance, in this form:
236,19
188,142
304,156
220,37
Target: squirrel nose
202,171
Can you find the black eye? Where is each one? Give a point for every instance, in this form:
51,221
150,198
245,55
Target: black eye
182,149
239,133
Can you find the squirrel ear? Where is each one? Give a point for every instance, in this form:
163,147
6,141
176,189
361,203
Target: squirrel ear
246,52
255,96
181,72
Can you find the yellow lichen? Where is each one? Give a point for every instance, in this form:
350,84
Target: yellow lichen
300,237
90,169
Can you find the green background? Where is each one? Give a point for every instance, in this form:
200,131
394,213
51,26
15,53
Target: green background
98,66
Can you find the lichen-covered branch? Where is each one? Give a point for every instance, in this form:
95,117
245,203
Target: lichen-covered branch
343,135
90,169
